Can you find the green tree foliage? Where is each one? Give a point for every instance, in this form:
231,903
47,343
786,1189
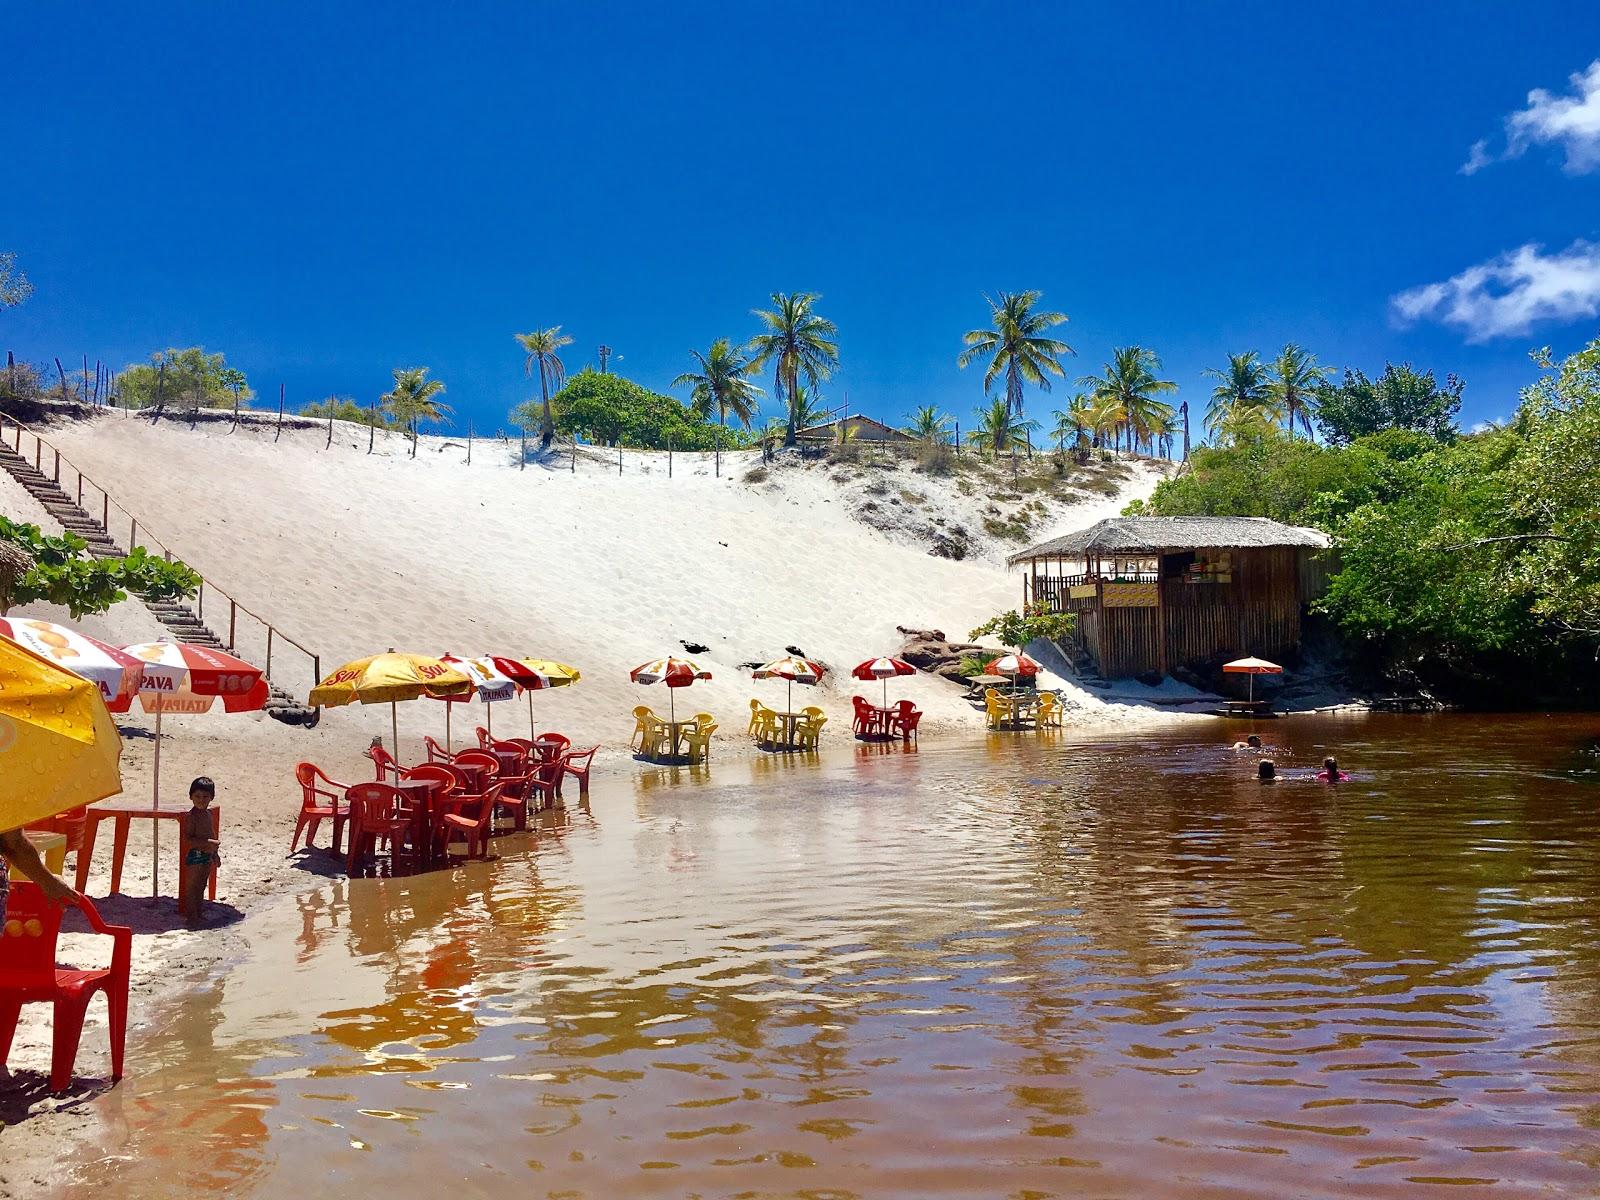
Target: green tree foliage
1015,629
722,384
1016,346
192,379
65,573
801,346
1401,398
1000,430
612,410
345,408
14,285
1469,562
1293,383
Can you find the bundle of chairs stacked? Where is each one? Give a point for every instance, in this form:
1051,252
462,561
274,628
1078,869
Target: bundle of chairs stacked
420,814
786,731
669,741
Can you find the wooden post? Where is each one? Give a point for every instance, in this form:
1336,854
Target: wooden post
1161,621
522,462
105,511
11,374
669,456
329,446
62,375
619,461
268,670
279,434
233,619
235,408
200,601
133,533
80,489
469,443
161,392
58,468
372,428
958,435
574,454
86,379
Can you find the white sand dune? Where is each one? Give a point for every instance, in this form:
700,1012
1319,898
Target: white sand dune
351,553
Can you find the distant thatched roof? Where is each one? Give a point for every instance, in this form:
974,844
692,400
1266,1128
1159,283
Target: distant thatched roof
1154,535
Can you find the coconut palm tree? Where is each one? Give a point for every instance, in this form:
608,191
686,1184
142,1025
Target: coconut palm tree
798,343
807,407
928,424
1000,429
1232,424
1241,387
542,347
1017,348
411,400
1074,421
1128,382
1293,386
722,384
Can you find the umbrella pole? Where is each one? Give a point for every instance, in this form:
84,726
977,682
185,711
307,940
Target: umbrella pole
155,806
447,707
394,729
488,716
530,714
886,691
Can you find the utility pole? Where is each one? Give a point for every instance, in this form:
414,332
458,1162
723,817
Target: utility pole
605,357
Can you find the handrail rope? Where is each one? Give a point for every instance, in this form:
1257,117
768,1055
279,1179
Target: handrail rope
61,458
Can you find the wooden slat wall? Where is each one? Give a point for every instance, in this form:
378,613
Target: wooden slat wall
1257,613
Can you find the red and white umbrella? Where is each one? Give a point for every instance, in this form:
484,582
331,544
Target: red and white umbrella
796,670
491,685
674,672
115,672
1252,667
1014,665
179,677
884,669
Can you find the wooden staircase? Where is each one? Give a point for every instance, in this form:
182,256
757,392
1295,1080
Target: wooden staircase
179,619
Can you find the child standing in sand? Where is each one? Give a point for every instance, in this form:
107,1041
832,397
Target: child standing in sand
200,844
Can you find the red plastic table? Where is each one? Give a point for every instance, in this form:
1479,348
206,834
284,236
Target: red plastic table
123,812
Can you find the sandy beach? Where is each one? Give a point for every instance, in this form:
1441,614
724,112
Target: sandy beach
351,552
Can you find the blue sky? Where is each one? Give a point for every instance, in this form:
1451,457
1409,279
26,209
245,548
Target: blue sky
325,192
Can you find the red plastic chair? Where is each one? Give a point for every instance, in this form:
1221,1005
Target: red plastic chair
559,742
485,739
436,752
383,763
577,764
449,781
378,813
29,975
867,722
321,799
473,827
905,720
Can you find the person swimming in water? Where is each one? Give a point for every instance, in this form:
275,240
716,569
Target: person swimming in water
1330,772
1266,772
1253,742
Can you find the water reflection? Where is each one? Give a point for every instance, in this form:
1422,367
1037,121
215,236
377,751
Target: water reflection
1022,967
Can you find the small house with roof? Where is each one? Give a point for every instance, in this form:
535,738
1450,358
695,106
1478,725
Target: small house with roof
1155,593
860,428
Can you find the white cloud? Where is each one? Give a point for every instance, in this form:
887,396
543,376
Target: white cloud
1570,121
1505,296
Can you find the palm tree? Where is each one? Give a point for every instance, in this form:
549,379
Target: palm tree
722,383
1016,347
999,429
542,346
798,343
1074,421
928,424
806,407
1295,379
411,400
1240,386
1128,382
1231,424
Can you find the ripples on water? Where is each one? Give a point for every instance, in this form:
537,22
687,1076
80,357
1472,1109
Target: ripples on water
1019,968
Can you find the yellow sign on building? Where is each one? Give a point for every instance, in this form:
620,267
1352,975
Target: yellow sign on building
1129,595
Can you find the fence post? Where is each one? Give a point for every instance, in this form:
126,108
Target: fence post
469,443
105,511
200,601
233,617
58,469
80,489
619,460
133,533
669,456
958,435
38,451
574,456
279,434
316,669
269,651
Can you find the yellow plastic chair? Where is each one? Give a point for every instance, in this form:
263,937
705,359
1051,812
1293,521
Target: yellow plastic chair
698,740
809,728
763,722
1049,711
996,710
641,726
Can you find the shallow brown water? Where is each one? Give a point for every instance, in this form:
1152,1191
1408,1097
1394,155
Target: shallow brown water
1017,968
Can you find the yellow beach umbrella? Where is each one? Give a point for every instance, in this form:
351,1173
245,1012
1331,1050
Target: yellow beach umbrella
58,744
388,679
541,673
